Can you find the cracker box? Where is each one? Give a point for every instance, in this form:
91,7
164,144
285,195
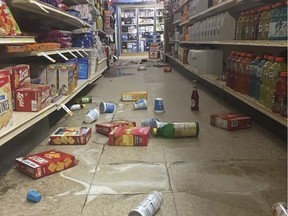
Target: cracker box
52,79
230,121
6,108
70,136
134,96
32,98
134,136
19,76
106,127
45,163
66,79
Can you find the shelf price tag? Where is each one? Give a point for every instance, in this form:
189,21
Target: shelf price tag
48,57
79,53
72,54
64,57
66,109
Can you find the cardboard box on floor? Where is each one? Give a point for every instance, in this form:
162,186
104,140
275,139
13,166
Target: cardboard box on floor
134,96
106,127
45,163
134,136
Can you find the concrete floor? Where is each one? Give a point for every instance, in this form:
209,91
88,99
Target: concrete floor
220,173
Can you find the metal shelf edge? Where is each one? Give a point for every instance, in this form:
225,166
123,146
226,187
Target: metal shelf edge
17,40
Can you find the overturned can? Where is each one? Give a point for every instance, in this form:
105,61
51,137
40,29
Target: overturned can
91,116
149,206
280,209
107,107
159,105
140,104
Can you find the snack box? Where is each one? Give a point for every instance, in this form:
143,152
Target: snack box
6,108
134,96
45,163
106,127
230,121
32,98
66,78
134,136
70,136
19,76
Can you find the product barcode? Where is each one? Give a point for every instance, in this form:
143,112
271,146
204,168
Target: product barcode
29,163
34,105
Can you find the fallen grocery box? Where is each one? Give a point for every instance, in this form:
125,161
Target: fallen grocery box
230,121
70,136
134,136
134,96
45,163
106,127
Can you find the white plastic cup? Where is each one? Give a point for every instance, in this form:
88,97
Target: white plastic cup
107,107
140,104
159,105
91,116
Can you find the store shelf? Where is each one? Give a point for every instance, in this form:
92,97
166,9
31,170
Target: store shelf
17,40
76,2
176,22
265,43
145,24
213,79
129,41
23,120
129,24
146,17
180,6
49,14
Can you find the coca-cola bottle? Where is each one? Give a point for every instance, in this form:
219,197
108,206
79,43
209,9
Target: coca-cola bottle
194,97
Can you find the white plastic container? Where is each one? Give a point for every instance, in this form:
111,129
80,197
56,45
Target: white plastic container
201,5
91,116
226,33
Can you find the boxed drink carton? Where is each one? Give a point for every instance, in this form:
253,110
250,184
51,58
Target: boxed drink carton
6,108
66,76
45,163
52,80
38,74
230,121
32,98
106,127
134,96
134,136
70,136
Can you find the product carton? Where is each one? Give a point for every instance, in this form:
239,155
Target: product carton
52,80
70,136
230,121
66,79
134,136
19,76
134,96
32,98
106,127
45,163
6,108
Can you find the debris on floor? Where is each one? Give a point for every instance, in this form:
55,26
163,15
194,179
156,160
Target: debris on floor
175,130
134,96
91,116
158,65
149,206
140,104
167,68
106,127
70,136
45,163
280,209
144,60
159,105
230,121
83,100
107,107
140,68
134,136
77,107
34,196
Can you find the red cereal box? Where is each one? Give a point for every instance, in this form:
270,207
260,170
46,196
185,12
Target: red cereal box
106,127
6,108
70,136
230,121
45,163
32,98
19,76
134,136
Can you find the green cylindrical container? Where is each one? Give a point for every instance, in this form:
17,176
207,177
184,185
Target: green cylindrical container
173,130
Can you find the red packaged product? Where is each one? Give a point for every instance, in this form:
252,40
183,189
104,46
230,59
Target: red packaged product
32,98
106,127
134,136
19,76
5,101
45,163
230,121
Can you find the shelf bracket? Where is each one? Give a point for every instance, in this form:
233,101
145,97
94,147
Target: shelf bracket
36,3
85,52
48,57
79,53
72,54
64,57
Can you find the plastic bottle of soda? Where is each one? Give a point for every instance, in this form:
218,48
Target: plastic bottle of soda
259,75
264,79
239,66
278,23
280,93
233,69
255,26
264,23
173,130
229,67
283,105
253,76
273,75
194,97
239,27
245,73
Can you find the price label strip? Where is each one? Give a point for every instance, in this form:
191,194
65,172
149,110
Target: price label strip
66,109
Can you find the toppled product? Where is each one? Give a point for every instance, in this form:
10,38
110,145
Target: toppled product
230,121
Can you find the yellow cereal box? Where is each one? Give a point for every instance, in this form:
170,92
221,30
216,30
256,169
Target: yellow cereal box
134,96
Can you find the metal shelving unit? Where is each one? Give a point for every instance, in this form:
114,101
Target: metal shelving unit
265,43
17,40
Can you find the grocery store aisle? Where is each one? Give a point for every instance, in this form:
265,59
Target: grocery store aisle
220,173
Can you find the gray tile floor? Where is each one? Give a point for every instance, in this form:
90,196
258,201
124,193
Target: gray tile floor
220,173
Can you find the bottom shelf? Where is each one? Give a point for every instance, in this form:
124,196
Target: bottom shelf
23,120
213,79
